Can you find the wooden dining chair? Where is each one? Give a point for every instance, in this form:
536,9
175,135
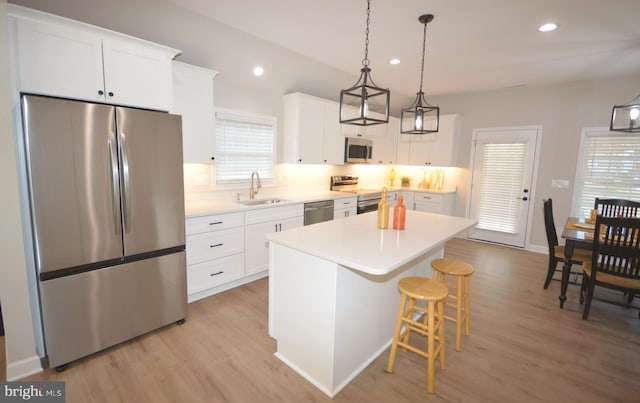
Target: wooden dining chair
617,207
615,262
556,251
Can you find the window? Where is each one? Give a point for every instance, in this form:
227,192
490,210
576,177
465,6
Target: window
608,167
244,143
501,168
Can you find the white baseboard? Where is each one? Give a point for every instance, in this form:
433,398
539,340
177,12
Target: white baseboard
538,249
23,368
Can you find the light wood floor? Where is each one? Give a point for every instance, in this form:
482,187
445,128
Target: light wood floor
522,348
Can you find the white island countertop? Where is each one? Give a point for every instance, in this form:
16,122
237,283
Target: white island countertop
356,243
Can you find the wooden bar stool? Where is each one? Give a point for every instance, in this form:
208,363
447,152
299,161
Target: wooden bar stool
460,301
433,293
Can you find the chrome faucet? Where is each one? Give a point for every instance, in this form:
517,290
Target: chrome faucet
252,192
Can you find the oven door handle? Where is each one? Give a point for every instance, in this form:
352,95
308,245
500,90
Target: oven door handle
367,203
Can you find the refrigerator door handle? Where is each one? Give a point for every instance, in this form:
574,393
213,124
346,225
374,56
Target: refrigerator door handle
125,182
113,182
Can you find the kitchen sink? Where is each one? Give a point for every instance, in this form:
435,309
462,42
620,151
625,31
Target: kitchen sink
258,202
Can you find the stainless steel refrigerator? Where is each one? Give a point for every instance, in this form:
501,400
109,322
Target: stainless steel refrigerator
107,211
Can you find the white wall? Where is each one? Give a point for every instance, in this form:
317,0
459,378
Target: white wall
562,110
14,297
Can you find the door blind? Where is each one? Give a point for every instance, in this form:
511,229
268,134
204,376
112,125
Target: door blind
244,144
501,170
609,167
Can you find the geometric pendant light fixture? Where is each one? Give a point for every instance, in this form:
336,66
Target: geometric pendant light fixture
626,118
420,117
365,104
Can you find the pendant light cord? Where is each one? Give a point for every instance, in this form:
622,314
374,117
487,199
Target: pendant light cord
424,42
365,61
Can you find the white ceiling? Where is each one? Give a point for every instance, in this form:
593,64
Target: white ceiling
318,46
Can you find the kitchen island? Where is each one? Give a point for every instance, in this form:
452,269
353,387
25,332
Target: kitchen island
333,295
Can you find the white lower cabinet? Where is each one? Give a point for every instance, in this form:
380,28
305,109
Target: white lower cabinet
407,198
439,203
215,252
214,273
265,221
345,208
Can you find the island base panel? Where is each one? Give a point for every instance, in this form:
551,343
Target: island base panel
331,321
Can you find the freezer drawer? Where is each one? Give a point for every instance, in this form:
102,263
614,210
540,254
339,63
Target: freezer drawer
89,312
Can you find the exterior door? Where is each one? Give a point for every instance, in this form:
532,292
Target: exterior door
503,165
151,180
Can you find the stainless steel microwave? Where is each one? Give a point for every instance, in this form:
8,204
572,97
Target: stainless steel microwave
357,149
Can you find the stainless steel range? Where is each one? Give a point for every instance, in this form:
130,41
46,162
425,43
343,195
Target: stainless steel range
368,199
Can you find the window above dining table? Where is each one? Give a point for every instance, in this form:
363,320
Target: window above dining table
608,167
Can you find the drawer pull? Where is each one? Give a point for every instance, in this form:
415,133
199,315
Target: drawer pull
216,245
215,274
216,223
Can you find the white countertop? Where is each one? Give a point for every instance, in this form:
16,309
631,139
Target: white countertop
356,243
229,205
226,203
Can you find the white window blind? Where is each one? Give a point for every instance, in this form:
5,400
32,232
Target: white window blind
608,167
244,144
501,170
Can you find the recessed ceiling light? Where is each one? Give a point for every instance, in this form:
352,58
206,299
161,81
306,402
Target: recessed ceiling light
548,27
258,71
394,61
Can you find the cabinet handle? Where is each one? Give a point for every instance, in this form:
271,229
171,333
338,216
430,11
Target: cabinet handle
110,93
213,158
100,92
216,245
280,227
215,274
215,223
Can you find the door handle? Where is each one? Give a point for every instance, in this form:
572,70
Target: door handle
525,198
113,182
124,155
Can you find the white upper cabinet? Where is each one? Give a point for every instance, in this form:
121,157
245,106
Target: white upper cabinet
136,74
436,149
333,141
193,99
311,131
384,147
61,57
371,131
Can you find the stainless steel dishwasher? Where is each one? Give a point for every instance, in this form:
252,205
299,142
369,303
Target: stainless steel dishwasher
319,211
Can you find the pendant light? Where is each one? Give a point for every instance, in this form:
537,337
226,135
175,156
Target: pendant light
420,117
365,103
626,118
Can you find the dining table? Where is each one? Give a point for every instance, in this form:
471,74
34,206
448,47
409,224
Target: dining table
577,233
